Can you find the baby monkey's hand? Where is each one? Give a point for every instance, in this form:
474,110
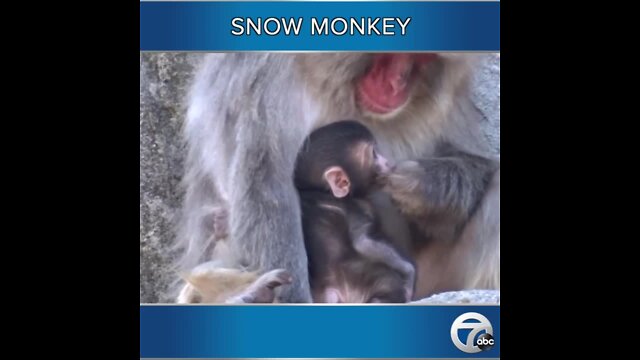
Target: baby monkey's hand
405,184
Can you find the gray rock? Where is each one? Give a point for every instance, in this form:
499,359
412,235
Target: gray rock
486,96
485,297
164,82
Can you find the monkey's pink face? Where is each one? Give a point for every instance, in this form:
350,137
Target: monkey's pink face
342,296
356,295
362,282
386,87
382,87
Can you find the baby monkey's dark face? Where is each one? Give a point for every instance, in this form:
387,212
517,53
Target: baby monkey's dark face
368,166
343,158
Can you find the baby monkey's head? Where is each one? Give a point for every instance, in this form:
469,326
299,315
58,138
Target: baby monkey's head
342,158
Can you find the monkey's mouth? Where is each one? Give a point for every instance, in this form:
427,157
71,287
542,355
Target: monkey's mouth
386,86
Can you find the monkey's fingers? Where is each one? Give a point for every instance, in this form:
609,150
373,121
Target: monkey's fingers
406,180
263,289
276,278
382,180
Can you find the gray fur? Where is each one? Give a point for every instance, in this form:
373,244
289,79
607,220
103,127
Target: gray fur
438,195
248,115
244,143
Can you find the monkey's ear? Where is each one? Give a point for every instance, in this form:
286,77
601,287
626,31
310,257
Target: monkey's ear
338,181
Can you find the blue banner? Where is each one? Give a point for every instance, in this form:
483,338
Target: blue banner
320,26
285,331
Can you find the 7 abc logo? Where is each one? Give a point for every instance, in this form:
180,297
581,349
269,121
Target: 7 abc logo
474,342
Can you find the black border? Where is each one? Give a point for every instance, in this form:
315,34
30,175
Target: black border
88,82
89,135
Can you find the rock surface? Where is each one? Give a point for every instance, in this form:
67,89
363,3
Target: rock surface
485,297
486,96
164,82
